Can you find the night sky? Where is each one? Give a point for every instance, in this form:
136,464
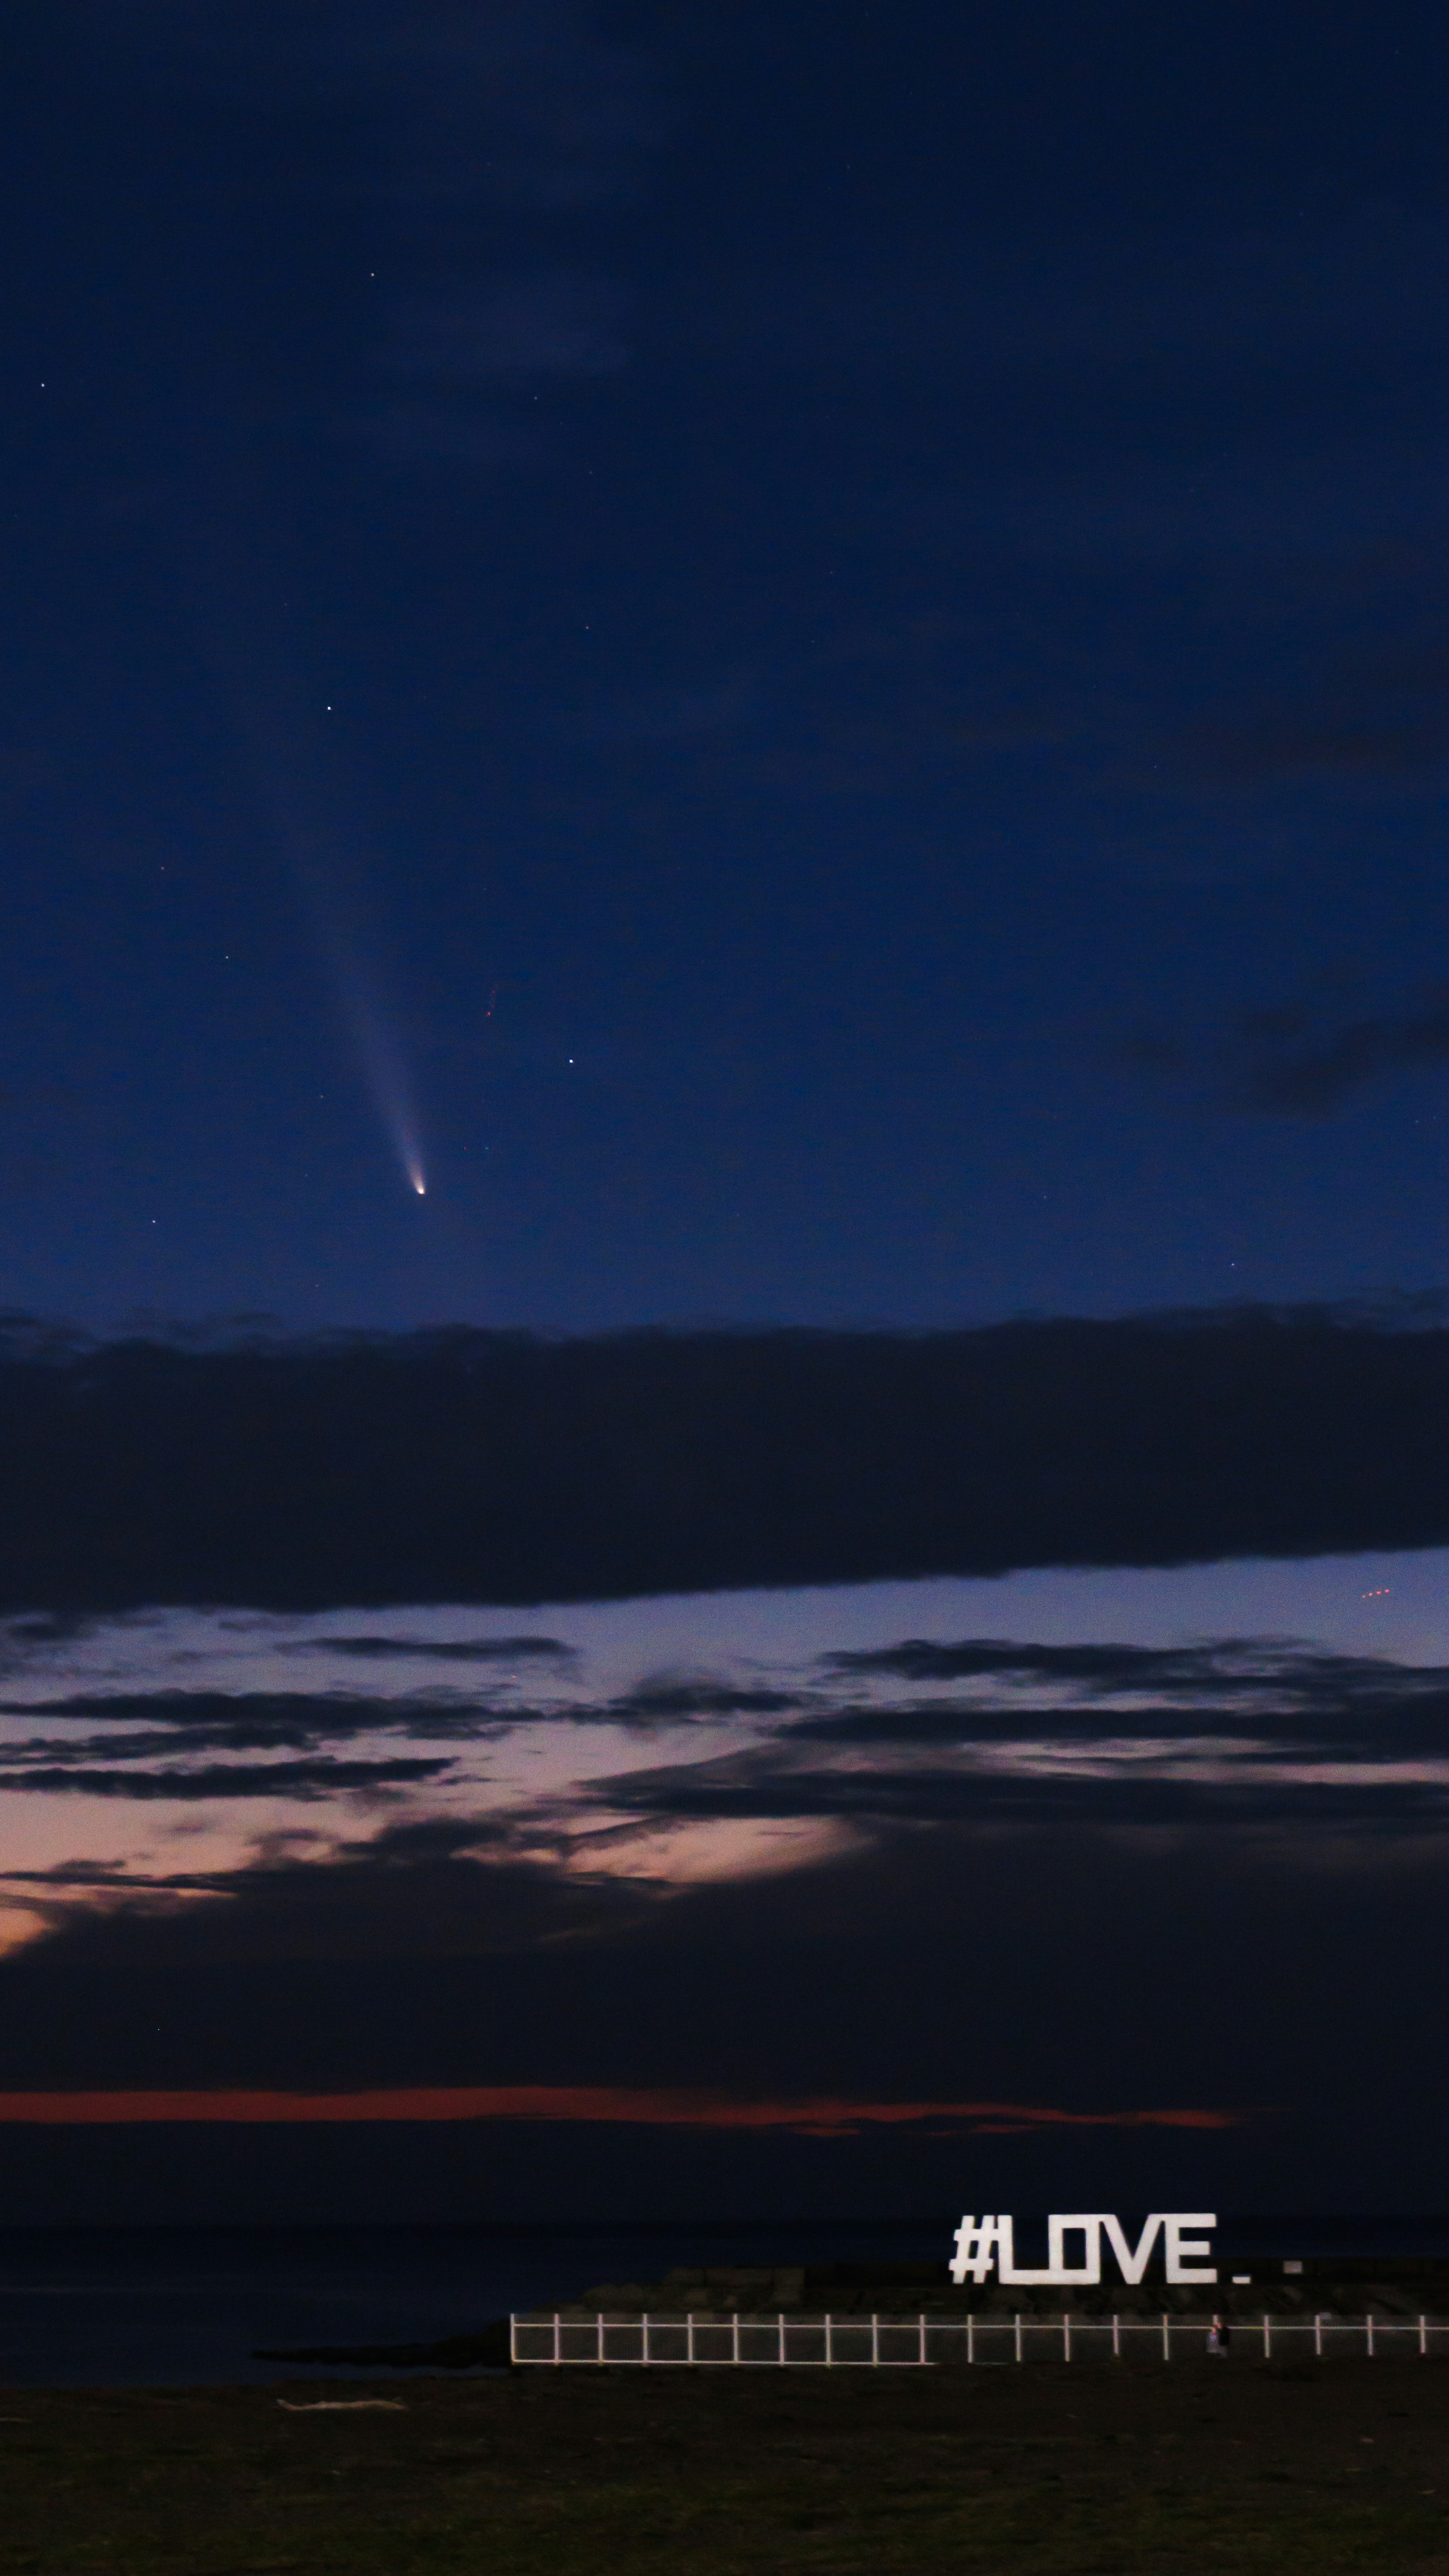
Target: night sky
723,763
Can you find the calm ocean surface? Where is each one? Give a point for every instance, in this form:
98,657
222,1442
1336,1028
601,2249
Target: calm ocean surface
156,2306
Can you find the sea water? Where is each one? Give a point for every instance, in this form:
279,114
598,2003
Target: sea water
158,2306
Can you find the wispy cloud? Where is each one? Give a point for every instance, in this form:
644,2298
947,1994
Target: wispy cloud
665,1703
1038,1786
514,330
514,1820
429,433
641,2107
1224,1686
483,136
1250,1734
1303,1058
196,1720
438,1650
1298,1070
527,103
1191,302
212,1781
1284,749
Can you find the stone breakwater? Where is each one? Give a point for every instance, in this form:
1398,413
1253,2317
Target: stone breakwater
1396,2293
1392,2291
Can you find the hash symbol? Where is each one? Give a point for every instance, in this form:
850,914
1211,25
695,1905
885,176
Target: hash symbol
976,2248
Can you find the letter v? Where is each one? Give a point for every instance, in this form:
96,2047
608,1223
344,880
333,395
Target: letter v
1133,2264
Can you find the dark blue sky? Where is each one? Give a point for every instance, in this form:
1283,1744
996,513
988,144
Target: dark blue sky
812,643
799,656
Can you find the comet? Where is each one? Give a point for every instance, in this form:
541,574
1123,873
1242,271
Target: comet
364,1014
344,949
307,804
380,1054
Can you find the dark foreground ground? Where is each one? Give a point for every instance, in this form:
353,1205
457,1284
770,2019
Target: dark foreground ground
1235,2465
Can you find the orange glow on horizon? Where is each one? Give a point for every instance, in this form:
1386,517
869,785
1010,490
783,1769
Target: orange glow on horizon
656,2107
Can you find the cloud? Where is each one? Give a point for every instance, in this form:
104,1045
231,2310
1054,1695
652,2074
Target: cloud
442,1650
1326,1068
525,103
507,331
941,1981
419,1887
1269,1686
1376,717
634,2106
467,1466
1036,1793
664,1703
1285,748
678,712
308,1779
1301,1059
467,354
1194,304
48,1628
923,1659
991,1734
436,433
1236,1735
1052,1861
154,1743
251,1720
464,125
989,1730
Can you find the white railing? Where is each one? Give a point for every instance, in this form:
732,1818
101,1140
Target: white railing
920,2342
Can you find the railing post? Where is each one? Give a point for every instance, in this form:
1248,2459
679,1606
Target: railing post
1321,2321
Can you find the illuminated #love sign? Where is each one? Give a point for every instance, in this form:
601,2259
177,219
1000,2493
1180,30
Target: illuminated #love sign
982,2241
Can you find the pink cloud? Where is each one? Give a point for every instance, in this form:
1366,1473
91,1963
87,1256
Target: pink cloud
651,2107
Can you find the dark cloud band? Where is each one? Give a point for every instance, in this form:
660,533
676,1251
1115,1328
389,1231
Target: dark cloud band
493,1468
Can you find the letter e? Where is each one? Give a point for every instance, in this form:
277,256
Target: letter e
1178,2246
